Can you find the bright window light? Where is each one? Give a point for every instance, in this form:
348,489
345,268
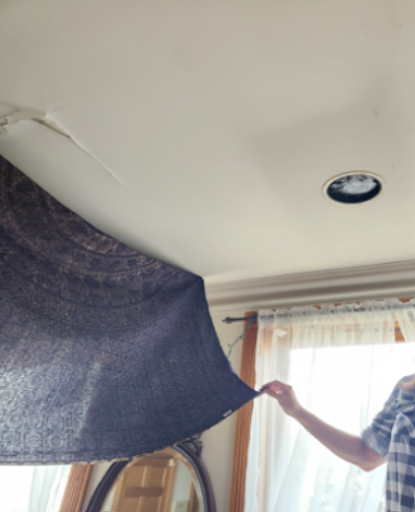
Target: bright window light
32,488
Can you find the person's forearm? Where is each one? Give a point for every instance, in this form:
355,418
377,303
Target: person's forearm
348,447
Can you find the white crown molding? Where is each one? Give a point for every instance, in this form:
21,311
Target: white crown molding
341,285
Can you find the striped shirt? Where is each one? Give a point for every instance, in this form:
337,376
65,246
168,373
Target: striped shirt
392,435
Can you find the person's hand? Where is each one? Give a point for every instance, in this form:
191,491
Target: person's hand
285,396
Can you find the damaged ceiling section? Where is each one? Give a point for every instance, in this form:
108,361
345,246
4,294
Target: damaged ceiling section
203,135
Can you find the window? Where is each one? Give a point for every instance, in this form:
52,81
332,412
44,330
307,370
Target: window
342,372
32,488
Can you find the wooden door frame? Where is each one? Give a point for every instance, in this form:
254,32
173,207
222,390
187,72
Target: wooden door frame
75,489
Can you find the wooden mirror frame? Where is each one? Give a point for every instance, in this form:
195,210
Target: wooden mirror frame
191,450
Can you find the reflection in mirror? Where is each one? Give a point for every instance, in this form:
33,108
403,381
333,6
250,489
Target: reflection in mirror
161,482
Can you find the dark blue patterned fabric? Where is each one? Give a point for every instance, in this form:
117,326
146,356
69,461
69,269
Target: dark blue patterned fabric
105,353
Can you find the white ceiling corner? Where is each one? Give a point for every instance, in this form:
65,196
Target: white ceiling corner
346,285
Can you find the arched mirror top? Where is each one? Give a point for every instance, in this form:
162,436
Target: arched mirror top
171,480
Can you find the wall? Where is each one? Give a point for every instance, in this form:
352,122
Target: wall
218,442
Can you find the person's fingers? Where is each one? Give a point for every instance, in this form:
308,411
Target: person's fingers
270,392
273,394
279,387
270,384
274,389
273,383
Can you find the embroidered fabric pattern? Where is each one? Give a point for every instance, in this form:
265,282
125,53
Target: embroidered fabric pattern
105,353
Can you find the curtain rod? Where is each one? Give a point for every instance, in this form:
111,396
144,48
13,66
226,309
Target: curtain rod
254,316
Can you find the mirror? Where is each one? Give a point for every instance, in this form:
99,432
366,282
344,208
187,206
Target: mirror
171,480
161,482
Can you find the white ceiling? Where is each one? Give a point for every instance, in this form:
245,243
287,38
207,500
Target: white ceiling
203,132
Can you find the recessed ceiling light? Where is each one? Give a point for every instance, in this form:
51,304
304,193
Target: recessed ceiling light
353,187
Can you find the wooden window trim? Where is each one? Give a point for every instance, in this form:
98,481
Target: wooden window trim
243,421
75,489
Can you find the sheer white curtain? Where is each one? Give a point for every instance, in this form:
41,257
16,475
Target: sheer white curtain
32,488
343,367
